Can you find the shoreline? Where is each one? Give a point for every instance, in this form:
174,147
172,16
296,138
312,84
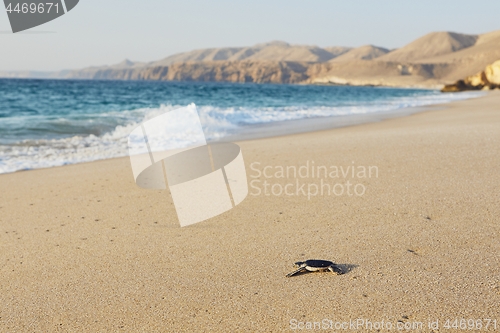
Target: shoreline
310,125
307,125
315,83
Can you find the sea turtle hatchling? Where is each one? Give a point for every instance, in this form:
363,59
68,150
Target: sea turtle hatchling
313,265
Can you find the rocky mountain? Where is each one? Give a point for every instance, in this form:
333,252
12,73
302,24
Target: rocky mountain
431,45
433,60
215,71
337,50
468,61
273,51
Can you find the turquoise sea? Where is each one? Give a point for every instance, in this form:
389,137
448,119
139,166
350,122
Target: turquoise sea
46,123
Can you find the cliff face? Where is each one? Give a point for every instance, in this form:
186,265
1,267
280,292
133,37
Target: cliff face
492,73
378,73
216,71
354,72
488,79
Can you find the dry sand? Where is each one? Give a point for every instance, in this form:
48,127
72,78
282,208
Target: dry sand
83,249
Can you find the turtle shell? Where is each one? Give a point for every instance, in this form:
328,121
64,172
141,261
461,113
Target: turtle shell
318,263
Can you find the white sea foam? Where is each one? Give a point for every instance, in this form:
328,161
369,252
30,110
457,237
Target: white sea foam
217,122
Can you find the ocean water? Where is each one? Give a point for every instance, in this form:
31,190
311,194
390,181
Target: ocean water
45,123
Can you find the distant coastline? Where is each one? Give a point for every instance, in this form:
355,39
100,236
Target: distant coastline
432,61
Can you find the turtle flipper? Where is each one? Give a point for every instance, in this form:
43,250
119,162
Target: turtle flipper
301,269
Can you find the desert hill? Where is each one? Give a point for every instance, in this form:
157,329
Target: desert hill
337,50
431,45
366,52
433,60
274,51
471,60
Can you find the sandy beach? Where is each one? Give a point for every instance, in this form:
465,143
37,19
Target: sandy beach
83,249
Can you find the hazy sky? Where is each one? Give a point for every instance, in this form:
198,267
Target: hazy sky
98,32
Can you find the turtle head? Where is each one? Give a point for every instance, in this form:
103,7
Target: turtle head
299,263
